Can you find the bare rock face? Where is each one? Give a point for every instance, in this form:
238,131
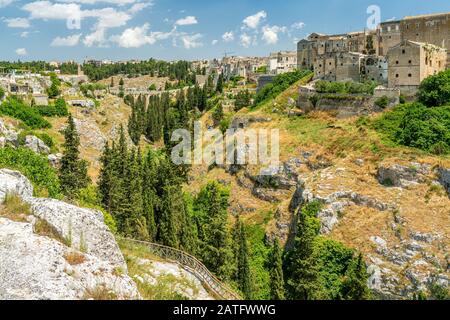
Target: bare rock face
2,142
36,145
34,267
83,228
401,176
13,182
444,179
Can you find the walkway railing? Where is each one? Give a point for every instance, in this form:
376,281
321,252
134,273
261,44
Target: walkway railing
192,265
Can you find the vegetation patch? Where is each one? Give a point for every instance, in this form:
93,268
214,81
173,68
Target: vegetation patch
16,108
74,258
14,208
35,167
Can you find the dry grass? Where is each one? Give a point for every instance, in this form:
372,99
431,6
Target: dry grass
99,293
74,258
14,208
45,229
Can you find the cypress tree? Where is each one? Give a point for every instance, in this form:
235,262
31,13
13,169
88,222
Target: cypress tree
243,276
302,267
276,273
220,83
354,286
73,171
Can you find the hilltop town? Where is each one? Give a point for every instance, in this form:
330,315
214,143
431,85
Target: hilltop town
356,208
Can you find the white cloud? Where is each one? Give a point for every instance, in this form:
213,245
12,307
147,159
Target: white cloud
4,3
135,8
253,21
116,2
21,52
46,10
18,23
24,34
228,36
214,42
246,40
69,41
139,36
189,20
191,41
95,38
270,34
298,25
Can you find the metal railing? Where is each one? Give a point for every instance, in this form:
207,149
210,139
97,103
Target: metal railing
192,265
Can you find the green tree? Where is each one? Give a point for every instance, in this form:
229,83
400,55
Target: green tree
303,269
121,82
112,82
210,207
73,171
276,272
220,83
354,286
434,91
243,276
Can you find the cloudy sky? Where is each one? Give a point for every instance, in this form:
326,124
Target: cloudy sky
180,29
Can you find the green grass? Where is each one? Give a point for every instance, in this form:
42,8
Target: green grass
35,167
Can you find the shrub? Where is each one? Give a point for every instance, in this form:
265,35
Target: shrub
16,108
435,90
382,102
2,93
34,167
415,125
74,258
279,84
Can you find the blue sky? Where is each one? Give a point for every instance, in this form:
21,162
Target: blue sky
174,29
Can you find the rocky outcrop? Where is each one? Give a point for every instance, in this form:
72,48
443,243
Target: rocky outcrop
54,159
401,176
13,182
35,267
444,179
399,271
36,145
83,228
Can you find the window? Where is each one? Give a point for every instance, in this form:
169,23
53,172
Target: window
396,62
409,75
381,75
409,61
397,75
403,51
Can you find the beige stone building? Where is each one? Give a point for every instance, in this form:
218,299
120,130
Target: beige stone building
389,35
431,28
410,62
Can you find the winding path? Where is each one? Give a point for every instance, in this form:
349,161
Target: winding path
192,265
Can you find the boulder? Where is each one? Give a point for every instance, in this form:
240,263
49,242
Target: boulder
401,176
54,159
12,138
13,182
3,128
2,142
83,228
36,145
444,179
35,267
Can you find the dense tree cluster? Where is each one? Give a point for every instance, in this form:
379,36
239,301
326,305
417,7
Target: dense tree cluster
180,70
158,117
73,170
319,268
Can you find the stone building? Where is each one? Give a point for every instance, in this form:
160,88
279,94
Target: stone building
431,28
389,35
282,62
410,62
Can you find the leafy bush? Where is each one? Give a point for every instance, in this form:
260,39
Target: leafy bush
435,90
16,108
48,140
34,167
415,125
345,87
382,102
59,109
2,93
279,84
